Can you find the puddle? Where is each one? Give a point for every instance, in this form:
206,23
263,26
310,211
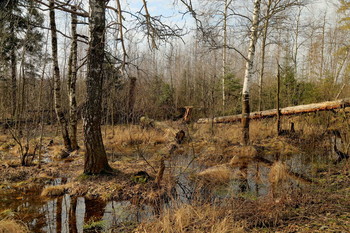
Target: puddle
256,183
182,167
70,214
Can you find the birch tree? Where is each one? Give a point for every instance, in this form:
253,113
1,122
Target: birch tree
57,84
72,79
249,72
95,155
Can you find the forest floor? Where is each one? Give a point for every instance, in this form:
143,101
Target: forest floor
314,198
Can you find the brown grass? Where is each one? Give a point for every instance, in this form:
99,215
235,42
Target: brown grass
12,226
258,130
217,174
203,219
54,191
132,136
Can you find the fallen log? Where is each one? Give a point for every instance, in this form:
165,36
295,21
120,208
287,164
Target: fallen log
294,110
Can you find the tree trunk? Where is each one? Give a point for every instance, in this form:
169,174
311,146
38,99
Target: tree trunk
10,7
296,46
57,83
224,55
72,79
249,73
131,100
278,100
13,74
263,52
245,119
95,156
294,110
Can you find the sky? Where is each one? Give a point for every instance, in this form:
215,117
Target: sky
172,15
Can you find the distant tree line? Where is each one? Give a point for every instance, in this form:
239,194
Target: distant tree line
54,69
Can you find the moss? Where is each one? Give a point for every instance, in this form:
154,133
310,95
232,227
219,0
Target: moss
248,196
222,191
84,177
94,226
140,177
125,227
7,213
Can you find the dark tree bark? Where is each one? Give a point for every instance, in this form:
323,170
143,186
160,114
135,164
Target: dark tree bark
245,118
131,101
57,83
95,156
13,61
278,122
72,79
13,74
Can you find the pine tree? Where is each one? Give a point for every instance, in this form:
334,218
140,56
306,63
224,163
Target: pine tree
19,36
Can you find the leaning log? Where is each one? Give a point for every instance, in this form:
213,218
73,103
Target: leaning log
294,110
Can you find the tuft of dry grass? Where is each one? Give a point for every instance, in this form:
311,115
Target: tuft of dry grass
280,145
206,219
54,191
12,226
217,174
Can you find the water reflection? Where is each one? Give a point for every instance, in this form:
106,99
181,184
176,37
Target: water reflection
69,214
80,214
182,167
50,210
66,205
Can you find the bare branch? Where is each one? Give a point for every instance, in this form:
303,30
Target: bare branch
120,22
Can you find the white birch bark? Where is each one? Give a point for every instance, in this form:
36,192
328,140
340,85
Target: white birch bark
249,72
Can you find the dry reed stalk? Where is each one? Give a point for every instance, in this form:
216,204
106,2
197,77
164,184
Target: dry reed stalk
187,218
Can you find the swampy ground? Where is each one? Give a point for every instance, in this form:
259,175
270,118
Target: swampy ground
287,183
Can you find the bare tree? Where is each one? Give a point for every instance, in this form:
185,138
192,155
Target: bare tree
72,79
57,84
224,51
95,156
249,73
272,14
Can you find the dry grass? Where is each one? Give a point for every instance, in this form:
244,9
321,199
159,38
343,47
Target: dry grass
217,174
280,145
203,219
56,150
218,132
258,130
12,226
6,142
54,191
119,137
